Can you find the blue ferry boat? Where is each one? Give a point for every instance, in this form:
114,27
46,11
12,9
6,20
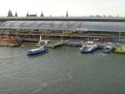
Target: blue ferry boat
37,51
108,48
89,47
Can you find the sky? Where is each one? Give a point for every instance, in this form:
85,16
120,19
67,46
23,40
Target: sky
59,7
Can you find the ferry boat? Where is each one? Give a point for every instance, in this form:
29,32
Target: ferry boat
89,47
108,48
36,51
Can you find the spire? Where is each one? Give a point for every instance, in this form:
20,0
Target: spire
67,14
10,13
42,15
27,15
16,15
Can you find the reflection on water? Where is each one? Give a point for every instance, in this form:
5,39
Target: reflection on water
60,71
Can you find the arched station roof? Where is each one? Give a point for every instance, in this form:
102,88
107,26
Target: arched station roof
66,25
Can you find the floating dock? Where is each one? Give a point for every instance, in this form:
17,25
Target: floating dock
58,44
73,44
120,48
54,45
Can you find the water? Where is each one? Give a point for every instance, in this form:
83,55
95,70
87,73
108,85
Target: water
61,71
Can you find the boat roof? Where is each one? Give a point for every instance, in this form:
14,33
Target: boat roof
36,49
90,42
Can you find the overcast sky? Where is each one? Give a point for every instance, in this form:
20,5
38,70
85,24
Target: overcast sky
59,7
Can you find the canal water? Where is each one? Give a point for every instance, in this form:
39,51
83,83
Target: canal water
62,70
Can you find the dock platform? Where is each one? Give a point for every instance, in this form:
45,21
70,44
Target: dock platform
58,44
54,44
120,48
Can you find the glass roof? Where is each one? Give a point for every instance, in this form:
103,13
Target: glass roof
65,25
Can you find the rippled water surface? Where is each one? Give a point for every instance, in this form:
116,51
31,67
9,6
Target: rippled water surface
62,70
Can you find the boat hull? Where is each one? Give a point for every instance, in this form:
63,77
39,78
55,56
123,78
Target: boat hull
90,50
37,52
107,51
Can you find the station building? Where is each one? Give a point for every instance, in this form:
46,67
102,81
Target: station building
92,28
